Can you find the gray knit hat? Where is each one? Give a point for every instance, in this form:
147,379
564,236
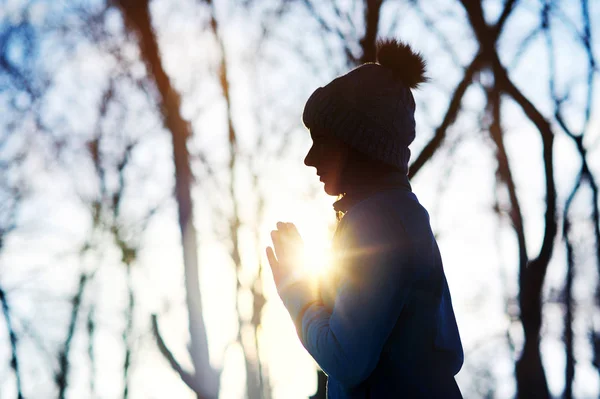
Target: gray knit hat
371,108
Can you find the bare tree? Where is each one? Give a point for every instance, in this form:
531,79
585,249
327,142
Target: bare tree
551,11
11,195
15,79
204,380
344,33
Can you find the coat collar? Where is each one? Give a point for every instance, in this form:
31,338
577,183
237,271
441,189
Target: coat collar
389,181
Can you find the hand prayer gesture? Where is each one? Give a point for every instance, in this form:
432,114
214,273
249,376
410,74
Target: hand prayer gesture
288,258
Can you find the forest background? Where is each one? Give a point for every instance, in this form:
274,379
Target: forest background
147,148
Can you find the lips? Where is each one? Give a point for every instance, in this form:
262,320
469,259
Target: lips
321,176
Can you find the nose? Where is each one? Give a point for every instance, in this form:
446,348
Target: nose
309,159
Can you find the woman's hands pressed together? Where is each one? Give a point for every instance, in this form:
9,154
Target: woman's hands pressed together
287,259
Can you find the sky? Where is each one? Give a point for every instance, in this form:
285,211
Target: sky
456,188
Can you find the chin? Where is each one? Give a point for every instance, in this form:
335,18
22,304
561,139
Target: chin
331,189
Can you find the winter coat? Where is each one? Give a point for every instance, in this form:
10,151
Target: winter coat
391,332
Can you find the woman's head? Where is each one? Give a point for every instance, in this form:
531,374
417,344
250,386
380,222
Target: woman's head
366,116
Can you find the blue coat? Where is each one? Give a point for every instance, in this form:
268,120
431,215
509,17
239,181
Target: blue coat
392,331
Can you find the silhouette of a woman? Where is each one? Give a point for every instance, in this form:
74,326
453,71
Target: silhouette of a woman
381,325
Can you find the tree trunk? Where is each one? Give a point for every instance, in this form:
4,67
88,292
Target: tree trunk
529,370
568,334
321,386
254,388
137,19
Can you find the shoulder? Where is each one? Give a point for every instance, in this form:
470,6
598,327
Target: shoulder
386,207
377,216
389,232
393,215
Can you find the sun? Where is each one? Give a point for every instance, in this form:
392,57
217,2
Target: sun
314,224
317,250
313,221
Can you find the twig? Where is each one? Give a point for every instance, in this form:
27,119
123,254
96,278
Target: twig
186,377
449,118
14,360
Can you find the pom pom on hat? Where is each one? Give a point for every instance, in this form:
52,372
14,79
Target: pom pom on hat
407,65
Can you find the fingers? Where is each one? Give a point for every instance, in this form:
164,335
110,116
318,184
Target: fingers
275,267
291,226
292,230
288,229
280,238
287,243
271,257
276,238
286,226
286,254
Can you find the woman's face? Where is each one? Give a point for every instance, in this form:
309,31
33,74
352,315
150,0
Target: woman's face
328,155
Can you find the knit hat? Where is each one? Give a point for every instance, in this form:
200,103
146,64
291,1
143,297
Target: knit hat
371,108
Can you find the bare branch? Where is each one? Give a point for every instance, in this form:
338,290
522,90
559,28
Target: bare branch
432,27
63,357
127,332
91,330
568,333
14,360
440,133
138,22
506,175
547,139
335,30
186,377
367,43
508,8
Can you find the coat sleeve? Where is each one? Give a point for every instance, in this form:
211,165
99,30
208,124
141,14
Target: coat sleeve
377,272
